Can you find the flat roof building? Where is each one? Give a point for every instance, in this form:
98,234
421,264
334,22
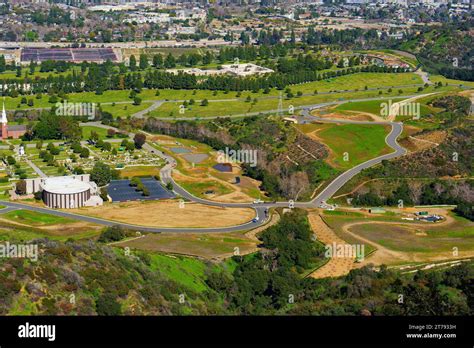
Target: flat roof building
66,192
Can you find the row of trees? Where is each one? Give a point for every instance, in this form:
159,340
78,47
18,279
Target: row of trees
103,77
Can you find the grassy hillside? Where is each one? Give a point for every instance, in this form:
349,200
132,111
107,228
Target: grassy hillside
90,278
350,144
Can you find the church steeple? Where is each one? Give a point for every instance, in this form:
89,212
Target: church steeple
3,122
4,114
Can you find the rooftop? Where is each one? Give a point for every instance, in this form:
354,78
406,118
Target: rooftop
64,184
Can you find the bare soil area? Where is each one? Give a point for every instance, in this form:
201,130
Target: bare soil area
169,214
336,266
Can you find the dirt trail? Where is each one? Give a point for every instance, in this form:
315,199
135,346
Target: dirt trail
336,266
395,107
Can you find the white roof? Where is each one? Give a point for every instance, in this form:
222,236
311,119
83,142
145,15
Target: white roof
64,184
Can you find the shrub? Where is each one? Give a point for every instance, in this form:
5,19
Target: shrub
112,234
107,304
21,187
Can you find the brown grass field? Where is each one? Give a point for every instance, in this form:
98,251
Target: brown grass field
337,266
209,246
398,242
169,214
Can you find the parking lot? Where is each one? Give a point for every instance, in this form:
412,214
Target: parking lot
121,191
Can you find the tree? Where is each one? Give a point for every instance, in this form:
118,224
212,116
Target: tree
204,102
170,62
130,146
21,187
139,139
107,304
135,181
85,152
10,160
104,194
51,126
78,170
101,174
143,61
3,64
137,101
158,61
107,146
112,234
110,133
133,63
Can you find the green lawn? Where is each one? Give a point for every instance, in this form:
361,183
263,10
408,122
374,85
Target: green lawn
370,106
124,110
86,132
264,103
347,82
172,109
198,188
34,218
359,142
359,81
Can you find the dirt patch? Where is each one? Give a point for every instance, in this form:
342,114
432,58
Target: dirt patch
169,214
420,142
333,114
336,266
236,196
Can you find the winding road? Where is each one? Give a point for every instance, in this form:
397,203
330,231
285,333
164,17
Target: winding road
261,209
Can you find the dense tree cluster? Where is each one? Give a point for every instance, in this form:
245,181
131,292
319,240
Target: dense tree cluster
51,126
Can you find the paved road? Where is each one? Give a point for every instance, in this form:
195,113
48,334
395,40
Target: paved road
153,106
261,209
337,183
36,169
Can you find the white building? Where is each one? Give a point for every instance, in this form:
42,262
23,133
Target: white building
66,192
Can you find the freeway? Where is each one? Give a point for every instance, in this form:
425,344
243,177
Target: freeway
261,209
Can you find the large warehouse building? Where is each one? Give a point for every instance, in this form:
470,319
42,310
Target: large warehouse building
66,192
